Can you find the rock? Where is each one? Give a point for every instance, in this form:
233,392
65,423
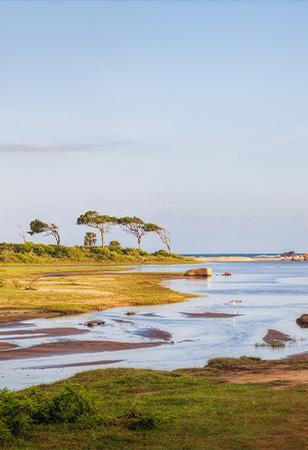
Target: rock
288,254
94,323
204,272
305,256
302,321
226,274
275,338
130,313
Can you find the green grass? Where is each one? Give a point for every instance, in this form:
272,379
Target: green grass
81,289
141,409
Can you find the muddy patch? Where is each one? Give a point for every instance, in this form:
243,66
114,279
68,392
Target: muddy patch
73,347
41,333
76,364
6,346
154,333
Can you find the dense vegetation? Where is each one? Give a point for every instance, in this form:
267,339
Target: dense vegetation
40,253
142,409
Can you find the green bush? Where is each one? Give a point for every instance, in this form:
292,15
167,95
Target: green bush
19,411
68,406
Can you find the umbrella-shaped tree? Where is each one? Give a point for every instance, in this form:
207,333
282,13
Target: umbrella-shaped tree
102,223
137,227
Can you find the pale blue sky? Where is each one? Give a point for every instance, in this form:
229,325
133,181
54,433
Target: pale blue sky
190,114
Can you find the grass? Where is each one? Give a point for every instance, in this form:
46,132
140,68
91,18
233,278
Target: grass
142,409
79,290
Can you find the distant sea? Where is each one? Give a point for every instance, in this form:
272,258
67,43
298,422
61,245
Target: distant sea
248,255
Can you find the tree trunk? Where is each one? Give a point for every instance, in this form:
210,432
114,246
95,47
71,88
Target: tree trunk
139,242
102,237
57,237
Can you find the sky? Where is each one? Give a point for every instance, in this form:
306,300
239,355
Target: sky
189,114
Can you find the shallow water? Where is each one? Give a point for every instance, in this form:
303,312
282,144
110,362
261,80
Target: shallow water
272,295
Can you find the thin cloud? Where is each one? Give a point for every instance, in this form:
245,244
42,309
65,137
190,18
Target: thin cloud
40,148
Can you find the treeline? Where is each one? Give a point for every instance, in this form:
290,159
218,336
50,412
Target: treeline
31,253
103,224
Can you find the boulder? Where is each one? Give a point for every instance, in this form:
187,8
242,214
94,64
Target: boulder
305,256
226,274
288,254
302,321
203,272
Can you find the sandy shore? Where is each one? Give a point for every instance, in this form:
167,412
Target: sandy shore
72,347
201,259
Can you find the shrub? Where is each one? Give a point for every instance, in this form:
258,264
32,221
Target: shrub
67,406
19,411
16,412
115,246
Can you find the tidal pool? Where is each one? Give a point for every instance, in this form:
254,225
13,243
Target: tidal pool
268,295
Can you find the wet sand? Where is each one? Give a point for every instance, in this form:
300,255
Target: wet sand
236,258
210,315
41,333
6,346
73,347
154,333
80,364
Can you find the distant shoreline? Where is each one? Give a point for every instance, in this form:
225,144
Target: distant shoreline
244,258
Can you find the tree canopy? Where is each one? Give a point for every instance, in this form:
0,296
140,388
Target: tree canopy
101,222
50,229
137,227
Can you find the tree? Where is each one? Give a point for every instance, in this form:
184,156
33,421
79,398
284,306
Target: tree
133,225
22,233
90,239
50,229
101,222
137,227
165,238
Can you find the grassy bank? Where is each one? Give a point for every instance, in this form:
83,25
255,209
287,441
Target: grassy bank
28,291
142,409
30,253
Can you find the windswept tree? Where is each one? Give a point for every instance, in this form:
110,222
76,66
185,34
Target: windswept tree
133,225
50,229
165,238
90,239
101,222
22,233
137,227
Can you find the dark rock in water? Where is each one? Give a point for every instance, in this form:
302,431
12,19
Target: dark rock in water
203,272
302,321
94,323
290,254
130,313
276,338
226,274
